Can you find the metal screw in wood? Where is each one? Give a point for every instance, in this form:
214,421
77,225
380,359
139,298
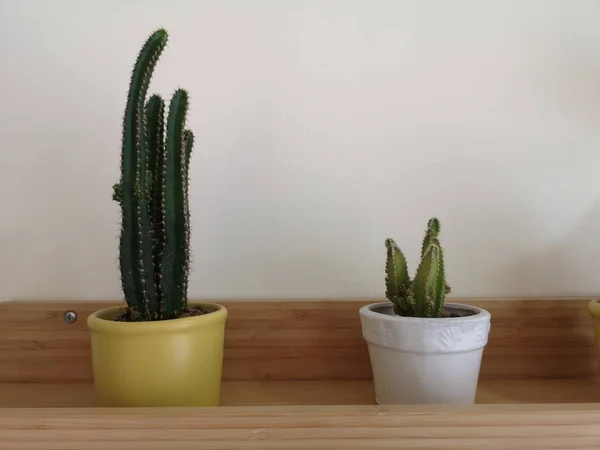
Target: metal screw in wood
70,316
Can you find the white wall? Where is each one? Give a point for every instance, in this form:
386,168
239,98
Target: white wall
323,127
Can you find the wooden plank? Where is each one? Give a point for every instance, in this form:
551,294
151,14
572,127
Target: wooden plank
306,340
542,427
265,393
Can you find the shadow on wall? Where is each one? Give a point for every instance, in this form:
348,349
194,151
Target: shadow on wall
573,79
559,269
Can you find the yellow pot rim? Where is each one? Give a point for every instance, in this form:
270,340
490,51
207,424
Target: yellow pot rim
97,322
594,308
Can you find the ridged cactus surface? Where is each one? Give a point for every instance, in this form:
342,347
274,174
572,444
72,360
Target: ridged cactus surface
424,295
154,247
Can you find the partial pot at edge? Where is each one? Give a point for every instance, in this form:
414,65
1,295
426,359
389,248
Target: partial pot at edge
594,310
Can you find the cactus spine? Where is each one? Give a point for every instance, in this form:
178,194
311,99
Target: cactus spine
424,295
153,195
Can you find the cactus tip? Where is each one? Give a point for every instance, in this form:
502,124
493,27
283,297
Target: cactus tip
182,91
162,33
434,225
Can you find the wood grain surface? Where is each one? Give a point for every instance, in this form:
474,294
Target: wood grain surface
506,427
286,364
306,341
315,393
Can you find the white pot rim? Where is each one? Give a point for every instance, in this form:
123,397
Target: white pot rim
381,327
480,314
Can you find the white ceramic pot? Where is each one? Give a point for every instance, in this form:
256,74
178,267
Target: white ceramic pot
425,361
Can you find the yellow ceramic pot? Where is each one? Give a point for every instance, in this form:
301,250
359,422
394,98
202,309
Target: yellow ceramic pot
594,308
161,363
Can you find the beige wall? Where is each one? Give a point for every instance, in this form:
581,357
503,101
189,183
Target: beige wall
323,127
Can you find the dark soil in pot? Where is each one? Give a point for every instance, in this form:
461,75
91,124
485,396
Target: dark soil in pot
127,316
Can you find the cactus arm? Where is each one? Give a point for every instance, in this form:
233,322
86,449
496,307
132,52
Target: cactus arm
118,193
129,190
440,288
154,112
155,109
433,230
428,283
396,269
174,255
420,284
147,155
188,144
397,280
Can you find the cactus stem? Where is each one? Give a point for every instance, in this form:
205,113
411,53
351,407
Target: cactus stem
174,257
424,295
153,195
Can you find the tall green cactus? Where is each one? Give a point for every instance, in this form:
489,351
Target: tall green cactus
423,296
153,195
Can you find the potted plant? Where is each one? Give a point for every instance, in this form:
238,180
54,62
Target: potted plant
423,350
159,349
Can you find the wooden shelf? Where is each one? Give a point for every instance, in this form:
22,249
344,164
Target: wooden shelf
297,376
306,340
497,427
266,393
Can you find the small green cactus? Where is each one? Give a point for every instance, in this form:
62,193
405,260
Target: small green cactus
153,195
423,296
